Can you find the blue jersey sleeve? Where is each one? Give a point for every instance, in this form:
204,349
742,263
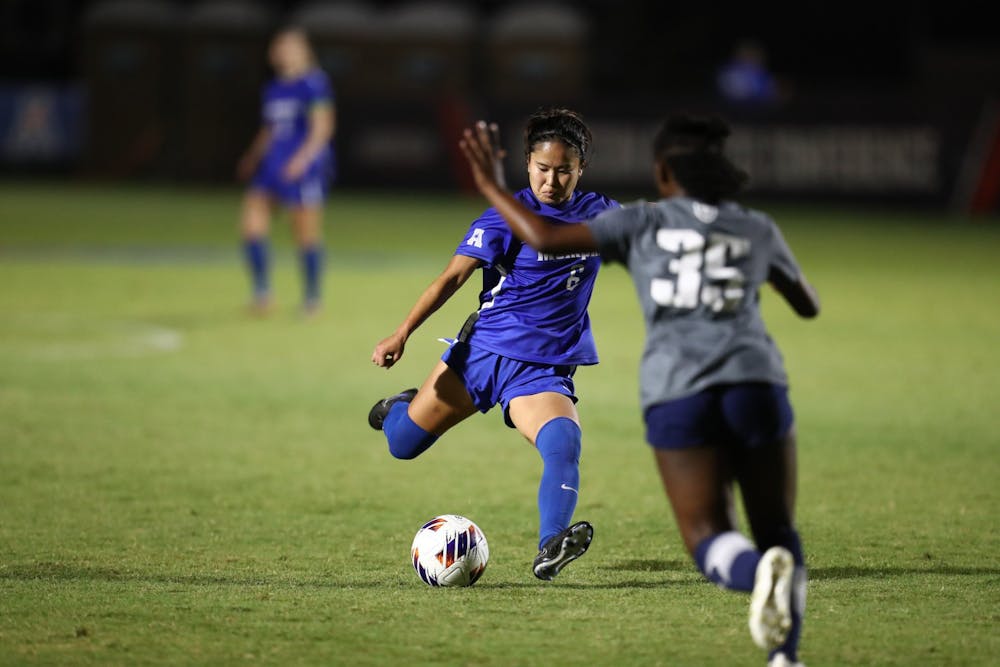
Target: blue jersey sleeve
317,89
488,239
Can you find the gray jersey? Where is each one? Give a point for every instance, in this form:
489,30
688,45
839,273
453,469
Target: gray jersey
697,270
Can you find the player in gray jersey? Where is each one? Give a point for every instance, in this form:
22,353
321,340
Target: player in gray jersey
713,386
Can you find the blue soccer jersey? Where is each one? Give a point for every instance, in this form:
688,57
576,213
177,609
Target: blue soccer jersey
287,104
533,306
286,108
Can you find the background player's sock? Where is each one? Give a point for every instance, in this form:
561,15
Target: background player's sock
311,259
558,442
406,439
790,540
728,559
255,253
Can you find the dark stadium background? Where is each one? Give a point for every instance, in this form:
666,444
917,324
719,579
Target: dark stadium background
875,102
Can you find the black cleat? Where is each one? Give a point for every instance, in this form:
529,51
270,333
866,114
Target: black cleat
562,549
378,412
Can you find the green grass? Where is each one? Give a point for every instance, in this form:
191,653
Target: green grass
182,484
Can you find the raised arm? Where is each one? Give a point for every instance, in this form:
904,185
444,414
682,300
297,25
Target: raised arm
479,145
390,349
799,294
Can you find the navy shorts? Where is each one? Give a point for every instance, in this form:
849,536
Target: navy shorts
491,378
308,190
747,414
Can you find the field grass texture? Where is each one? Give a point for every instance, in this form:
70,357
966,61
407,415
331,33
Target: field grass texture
181,483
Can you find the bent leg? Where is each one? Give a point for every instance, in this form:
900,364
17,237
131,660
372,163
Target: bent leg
767,479
698,483
442,401
550,421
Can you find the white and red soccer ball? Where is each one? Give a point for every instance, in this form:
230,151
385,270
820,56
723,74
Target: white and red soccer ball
449,550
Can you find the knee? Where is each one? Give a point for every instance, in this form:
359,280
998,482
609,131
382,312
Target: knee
406,439
403,451
560,438
410,443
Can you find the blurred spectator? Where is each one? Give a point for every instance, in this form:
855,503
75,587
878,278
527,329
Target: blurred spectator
745,78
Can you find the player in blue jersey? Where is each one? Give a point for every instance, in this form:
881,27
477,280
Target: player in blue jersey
289,163
713,385
521,348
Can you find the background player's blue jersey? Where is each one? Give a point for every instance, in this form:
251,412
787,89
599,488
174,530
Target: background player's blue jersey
285,113
286,108
533,307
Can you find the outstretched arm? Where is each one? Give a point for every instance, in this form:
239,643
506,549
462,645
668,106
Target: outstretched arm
390,349
486,161
799,294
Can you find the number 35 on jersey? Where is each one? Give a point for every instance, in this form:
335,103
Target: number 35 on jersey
701,272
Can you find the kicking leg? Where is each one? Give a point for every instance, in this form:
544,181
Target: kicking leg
413,423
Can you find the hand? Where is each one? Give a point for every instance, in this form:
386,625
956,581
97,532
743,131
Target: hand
246,167
481,146
389,351
295,168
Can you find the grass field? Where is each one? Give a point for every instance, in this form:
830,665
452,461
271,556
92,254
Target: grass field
182,484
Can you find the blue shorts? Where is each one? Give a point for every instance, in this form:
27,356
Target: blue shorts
490,378
748,414
309,190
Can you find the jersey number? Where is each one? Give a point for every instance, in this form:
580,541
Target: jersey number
699,275
574,277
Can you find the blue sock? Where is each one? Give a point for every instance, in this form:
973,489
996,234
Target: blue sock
256,255
729,560
790,540
558,442
406,439
311,259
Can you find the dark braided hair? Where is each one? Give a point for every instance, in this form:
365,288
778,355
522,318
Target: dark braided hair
559,125
693,148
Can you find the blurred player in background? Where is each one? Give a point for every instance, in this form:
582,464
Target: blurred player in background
745,77
521,348
714,389
290,163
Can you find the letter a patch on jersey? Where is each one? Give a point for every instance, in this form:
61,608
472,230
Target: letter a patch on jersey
476,239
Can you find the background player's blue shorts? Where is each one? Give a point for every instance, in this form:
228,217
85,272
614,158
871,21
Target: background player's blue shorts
309,190
490,378
748,414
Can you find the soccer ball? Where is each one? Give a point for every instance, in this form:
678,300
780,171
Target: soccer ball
449,550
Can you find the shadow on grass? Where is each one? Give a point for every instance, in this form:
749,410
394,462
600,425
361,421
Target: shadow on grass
819,573
883,572
650,565
64,572
577,585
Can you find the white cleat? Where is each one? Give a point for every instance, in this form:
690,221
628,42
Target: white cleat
771,600
781,660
